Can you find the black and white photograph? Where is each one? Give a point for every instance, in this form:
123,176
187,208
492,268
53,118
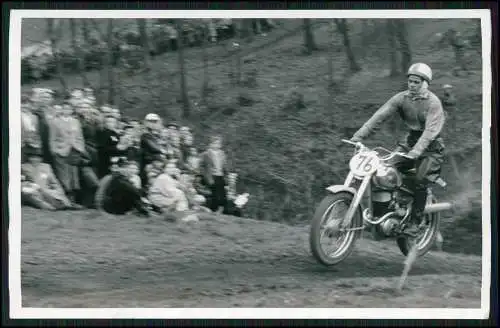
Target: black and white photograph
239,164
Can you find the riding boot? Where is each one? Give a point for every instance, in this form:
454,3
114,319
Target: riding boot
419,202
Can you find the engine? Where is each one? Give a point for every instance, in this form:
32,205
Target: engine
389,225
393,205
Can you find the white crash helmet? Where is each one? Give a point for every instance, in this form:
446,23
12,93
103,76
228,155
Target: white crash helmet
421,70
152,117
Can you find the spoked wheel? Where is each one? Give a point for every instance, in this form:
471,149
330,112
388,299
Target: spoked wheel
427,235
330,244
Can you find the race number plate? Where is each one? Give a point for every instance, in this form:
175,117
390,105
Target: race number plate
364,163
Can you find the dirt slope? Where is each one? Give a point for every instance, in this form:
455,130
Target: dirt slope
94,260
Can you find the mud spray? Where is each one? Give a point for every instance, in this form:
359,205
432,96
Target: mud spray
410,259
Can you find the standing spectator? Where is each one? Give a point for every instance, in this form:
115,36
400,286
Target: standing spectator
67,147
128,146
118,195
40,187
192,162
108,140
449,100
30,135
150,146
91,121
186,141
458,44
42,101
214,168
174,147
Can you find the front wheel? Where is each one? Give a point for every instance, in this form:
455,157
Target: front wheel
331,211
426,239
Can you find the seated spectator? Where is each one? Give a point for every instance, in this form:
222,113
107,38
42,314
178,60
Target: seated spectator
67,147
133,169
40,188
89,97
118,195
155,168
166,192
196,200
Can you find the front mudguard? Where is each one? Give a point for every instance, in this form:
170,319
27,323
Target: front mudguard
341,188
334,189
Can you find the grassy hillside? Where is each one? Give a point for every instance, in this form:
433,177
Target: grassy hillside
286,159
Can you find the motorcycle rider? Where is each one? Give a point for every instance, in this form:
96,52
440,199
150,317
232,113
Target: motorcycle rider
423,114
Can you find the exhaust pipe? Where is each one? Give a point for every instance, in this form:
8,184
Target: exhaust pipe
438,207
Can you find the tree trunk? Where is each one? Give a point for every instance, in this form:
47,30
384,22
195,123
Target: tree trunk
146,47
109,64
85,31
393,57
330,56
239,31
344,30
51,34
309,42
77,49
180,50
402,35
206,77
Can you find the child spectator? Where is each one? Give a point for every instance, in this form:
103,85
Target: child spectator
214,168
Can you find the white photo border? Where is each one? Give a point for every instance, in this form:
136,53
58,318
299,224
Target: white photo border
14,192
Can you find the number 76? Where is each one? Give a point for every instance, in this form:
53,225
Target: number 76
364,163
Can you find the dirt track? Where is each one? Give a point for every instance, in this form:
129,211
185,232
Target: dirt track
86,259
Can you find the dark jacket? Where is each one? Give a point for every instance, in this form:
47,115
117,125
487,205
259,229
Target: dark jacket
117,195
107,141
149,148
91,135
44,130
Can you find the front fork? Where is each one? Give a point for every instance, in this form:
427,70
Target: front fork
358,197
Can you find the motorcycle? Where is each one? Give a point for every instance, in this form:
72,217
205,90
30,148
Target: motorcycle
373,197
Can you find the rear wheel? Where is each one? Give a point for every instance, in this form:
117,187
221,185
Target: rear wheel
426,239
331,211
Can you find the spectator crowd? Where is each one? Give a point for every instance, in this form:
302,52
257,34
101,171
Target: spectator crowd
77,156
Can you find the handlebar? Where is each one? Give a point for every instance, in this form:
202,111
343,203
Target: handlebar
390,156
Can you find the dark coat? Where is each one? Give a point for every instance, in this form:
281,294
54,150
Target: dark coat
106,149
150,148
118,195
44,130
